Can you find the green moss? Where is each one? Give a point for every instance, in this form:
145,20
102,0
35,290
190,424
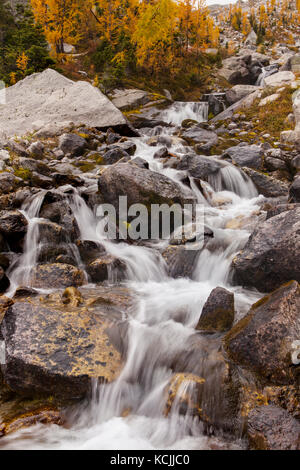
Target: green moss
23,173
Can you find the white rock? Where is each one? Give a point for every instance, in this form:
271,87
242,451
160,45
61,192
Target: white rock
269,99
279,79
129,99
53,99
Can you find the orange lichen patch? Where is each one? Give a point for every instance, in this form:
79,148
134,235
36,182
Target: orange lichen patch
183,391
43,416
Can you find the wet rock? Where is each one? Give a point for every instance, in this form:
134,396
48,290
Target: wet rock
263,340
294,193
60,213
56,275
106,268
25,292
180,261
161,153
140,162
113,156
273,428
197,135
272,254
72,144
12,223
72,296
112,137
89,250
54,350
183,392
5,302
279,209
199,166
50,232
218,312
249,156
267,185
57,253
140,186
9,183
62,179
4,281
45,416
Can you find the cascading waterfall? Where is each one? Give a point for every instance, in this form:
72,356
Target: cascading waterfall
129,413
179,111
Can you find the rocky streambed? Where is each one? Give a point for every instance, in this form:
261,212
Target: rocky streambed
148,343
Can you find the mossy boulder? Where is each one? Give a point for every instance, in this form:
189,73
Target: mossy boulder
54,348
218,312
271,257
263,341
56,275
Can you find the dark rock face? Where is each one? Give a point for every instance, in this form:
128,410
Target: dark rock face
56,350
295,190
199,166
89,250
56,253
197,135
34,165
4,281
106,267
12,223
272,254
60,213
267,185
57,275
180,261
50,232
72,144
113,156
273,428
218,312
263,340
140,186
248,155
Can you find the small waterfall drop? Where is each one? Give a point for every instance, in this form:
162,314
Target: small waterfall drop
179,111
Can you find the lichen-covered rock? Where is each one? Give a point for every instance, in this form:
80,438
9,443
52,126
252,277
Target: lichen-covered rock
72,144
272,254
199,166
12,223
140,186
273,428
106,268
56,275
218,312
249,156
183,392
53,349
197,135
263,340
267,185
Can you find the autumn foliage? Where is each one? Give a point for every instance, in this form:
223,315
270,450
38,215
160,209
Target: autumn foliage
154,34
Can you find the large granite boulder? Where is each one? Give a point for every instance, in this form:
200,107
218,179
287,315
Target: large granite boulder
238,92
264,340
218,312
266,184
272,254
50,99
246,155
55,349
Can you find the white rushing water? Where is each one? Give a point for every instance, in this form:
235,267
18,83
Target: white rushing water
160,329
